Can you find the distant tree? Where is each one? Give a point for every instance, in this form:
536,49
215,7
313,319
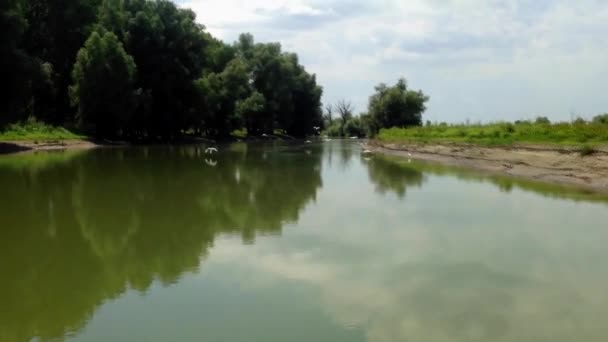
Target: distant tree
542,120
397,106
368,125
250,110
102,89
335,129
579,121
329,114
345,109
354,128
601,119
219,94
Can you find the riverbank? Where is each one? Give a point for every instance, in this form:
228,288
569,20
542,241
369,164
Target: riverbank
28,145
33,145
542,163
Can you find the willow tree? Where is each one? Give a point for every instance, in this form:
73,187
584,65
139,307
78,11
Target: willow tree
102,89
397,106
14,63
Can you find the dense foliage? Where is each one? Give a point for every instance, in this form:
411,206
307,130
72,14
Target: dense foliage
103,82
397,106
388,107
145,69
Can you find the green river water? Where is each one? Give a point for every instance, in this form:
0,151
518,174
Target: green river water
292,242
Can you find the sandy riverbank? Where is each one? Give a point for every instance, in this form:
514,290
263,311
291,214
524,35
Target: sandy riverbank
19,146
544,164
25,146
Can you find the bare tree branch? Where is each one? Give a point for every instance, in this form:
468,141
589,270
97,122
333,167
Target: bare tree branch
345,109
329,116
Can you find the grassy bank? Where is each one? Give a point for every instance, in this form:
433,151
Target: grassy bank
578,134
35,131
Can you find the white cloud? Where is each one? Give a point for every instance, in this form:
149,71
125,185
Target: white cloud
485,60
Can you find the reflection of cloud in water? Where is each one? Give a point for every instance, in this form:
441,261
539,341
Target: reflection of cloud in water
436,283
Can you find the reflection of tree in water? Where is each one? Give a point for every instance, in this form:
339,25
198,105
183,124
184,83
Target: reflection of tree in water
507,184
80,233
391,175
342,150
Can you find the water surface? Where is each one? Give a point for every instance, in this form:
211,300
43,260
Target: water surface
290,242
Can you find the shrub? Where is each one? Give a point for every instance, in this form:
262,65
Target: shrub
601,119
579,121
542,120
586,150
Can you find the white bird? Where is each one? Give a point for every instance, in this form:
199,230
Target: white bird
367,151
308,142
210,150
409,154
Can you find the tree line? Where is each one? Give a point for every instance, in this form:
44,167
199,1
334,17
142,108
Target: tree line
145,69
389,106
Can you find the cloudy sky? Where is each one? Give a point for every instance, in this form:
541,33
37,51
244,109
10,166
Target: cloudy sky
478,60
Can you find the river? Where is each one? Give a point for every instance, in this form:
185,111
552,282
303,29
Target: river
292,242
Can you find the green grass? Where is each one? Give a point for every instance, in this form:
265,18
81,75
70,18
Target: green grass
583,135
36,131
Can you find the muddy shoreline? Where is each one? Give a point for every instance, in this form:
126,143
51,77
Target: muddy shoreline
8,147
544,164
25,146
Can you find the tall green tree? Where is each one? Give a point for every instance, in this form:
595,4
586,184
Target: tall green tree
397,106
306,96
186,78
346,111
219,94
169,49
57,30
292,98
251,112
15,64
102,89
